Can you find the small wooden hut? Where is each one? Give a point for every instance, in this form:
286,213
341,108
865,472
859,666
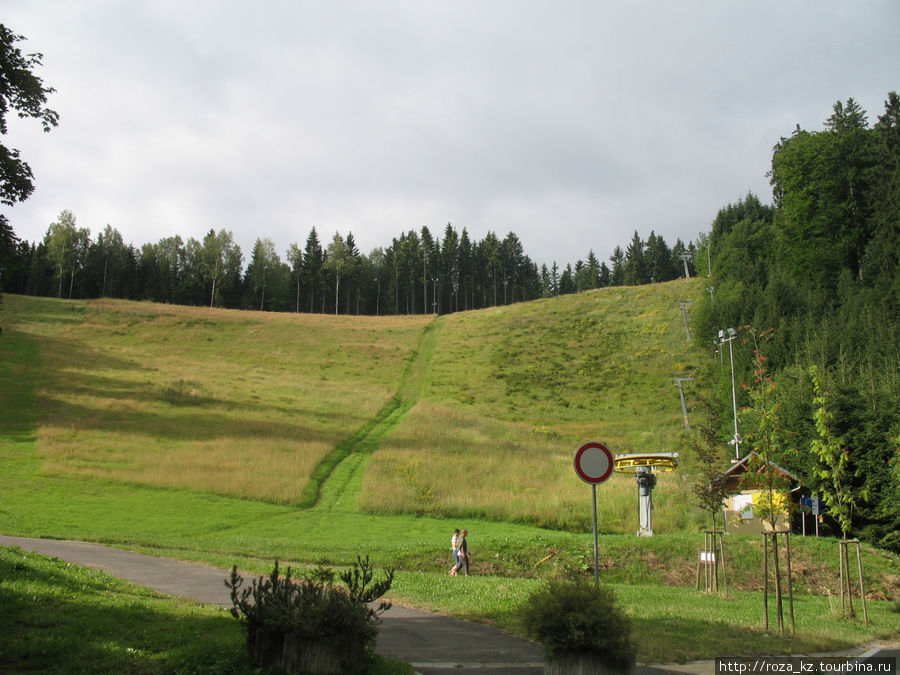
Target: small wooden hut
739,506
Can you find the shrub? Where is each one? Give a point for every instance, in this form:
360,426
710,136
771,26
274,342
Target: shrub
576,617
311,623
185,393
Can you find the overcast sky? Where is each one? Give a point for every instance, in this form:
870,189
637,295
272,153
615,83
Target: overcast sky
572,124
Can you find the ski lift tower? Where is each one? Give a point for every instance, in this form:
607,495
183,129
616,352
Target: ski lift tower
686,258
645,467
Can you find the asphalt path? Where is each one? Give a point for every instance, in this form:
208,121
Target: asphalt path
434,644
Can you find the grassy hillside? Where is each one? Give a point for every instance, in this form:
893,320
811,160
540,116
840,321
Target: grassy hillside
249,405
216,401
512,392
232,437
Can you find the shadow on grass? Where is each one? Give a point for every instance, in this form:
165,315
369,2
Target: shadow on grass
203,417
60,618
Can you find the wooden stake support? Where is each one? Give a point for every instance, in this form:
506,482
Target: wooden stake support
845,579
779,593
710,557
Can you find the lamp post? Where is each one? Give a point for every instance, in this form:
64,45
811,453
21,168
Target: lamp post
434,295
731,334
377,296
424,283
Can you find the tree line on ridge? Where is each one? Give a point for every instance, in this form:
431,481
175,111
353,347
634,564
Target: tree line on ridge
417,273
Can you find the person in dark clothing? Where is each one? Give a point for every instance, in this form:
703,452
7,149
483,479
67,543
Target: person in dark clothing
464,553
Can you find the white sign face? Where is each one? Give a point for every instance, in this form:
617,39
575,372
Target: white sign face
593,463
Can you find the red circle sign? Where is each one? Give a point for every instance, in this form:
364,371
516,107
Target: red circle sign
593,463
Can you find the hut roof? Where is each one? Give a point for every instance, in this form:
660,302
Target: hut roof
742,466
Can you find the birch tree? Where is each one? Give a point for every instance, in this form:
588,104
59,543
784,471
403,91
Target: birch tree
337,260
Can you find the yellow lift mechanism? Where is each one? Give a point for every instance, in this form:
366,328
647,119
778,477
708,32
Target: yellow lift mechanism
643,467
658,461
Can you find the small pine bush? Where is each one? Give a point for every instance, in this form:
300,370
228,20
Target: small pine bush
311,623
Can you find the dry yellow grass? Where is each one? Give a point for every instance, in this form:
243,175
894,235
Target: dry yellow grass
512,392
234,403
247,403
446,461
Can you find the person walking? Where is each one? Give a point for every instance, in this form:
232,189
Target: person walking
454,547
464,553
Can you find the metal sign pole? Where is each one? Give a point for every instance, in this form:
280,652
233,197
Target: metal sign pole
594,464
596,554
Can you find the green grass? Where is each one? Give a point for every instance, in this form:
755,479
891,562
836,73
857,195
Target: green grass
199,434
598,363
229,403
266,406
512,392
671,625
63,618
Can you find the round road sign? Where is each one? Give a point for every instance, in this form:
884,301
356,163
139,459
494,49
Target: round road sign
593,463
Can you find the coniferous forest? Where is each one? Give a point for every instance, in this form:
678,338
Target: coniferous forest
810,285
418,273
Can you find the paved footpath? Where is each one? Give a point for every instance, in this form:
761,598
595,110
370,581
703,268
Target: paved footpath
432,643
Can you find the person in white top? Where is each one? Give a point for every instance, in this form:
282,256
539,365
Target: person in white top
454,547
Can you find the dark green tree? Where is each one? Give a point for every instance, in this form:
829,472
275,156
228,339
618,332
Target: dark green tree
514,264
24,92
490,268
110,253
617,275
466,279
430,263
635,264
605,276
658,258
882,260
449,271
820,181
313,269
264,265
8,248
593,267
567,281
710,484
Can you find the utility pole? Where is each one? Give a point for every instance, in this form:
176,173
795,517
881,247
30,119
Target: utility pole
731,335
